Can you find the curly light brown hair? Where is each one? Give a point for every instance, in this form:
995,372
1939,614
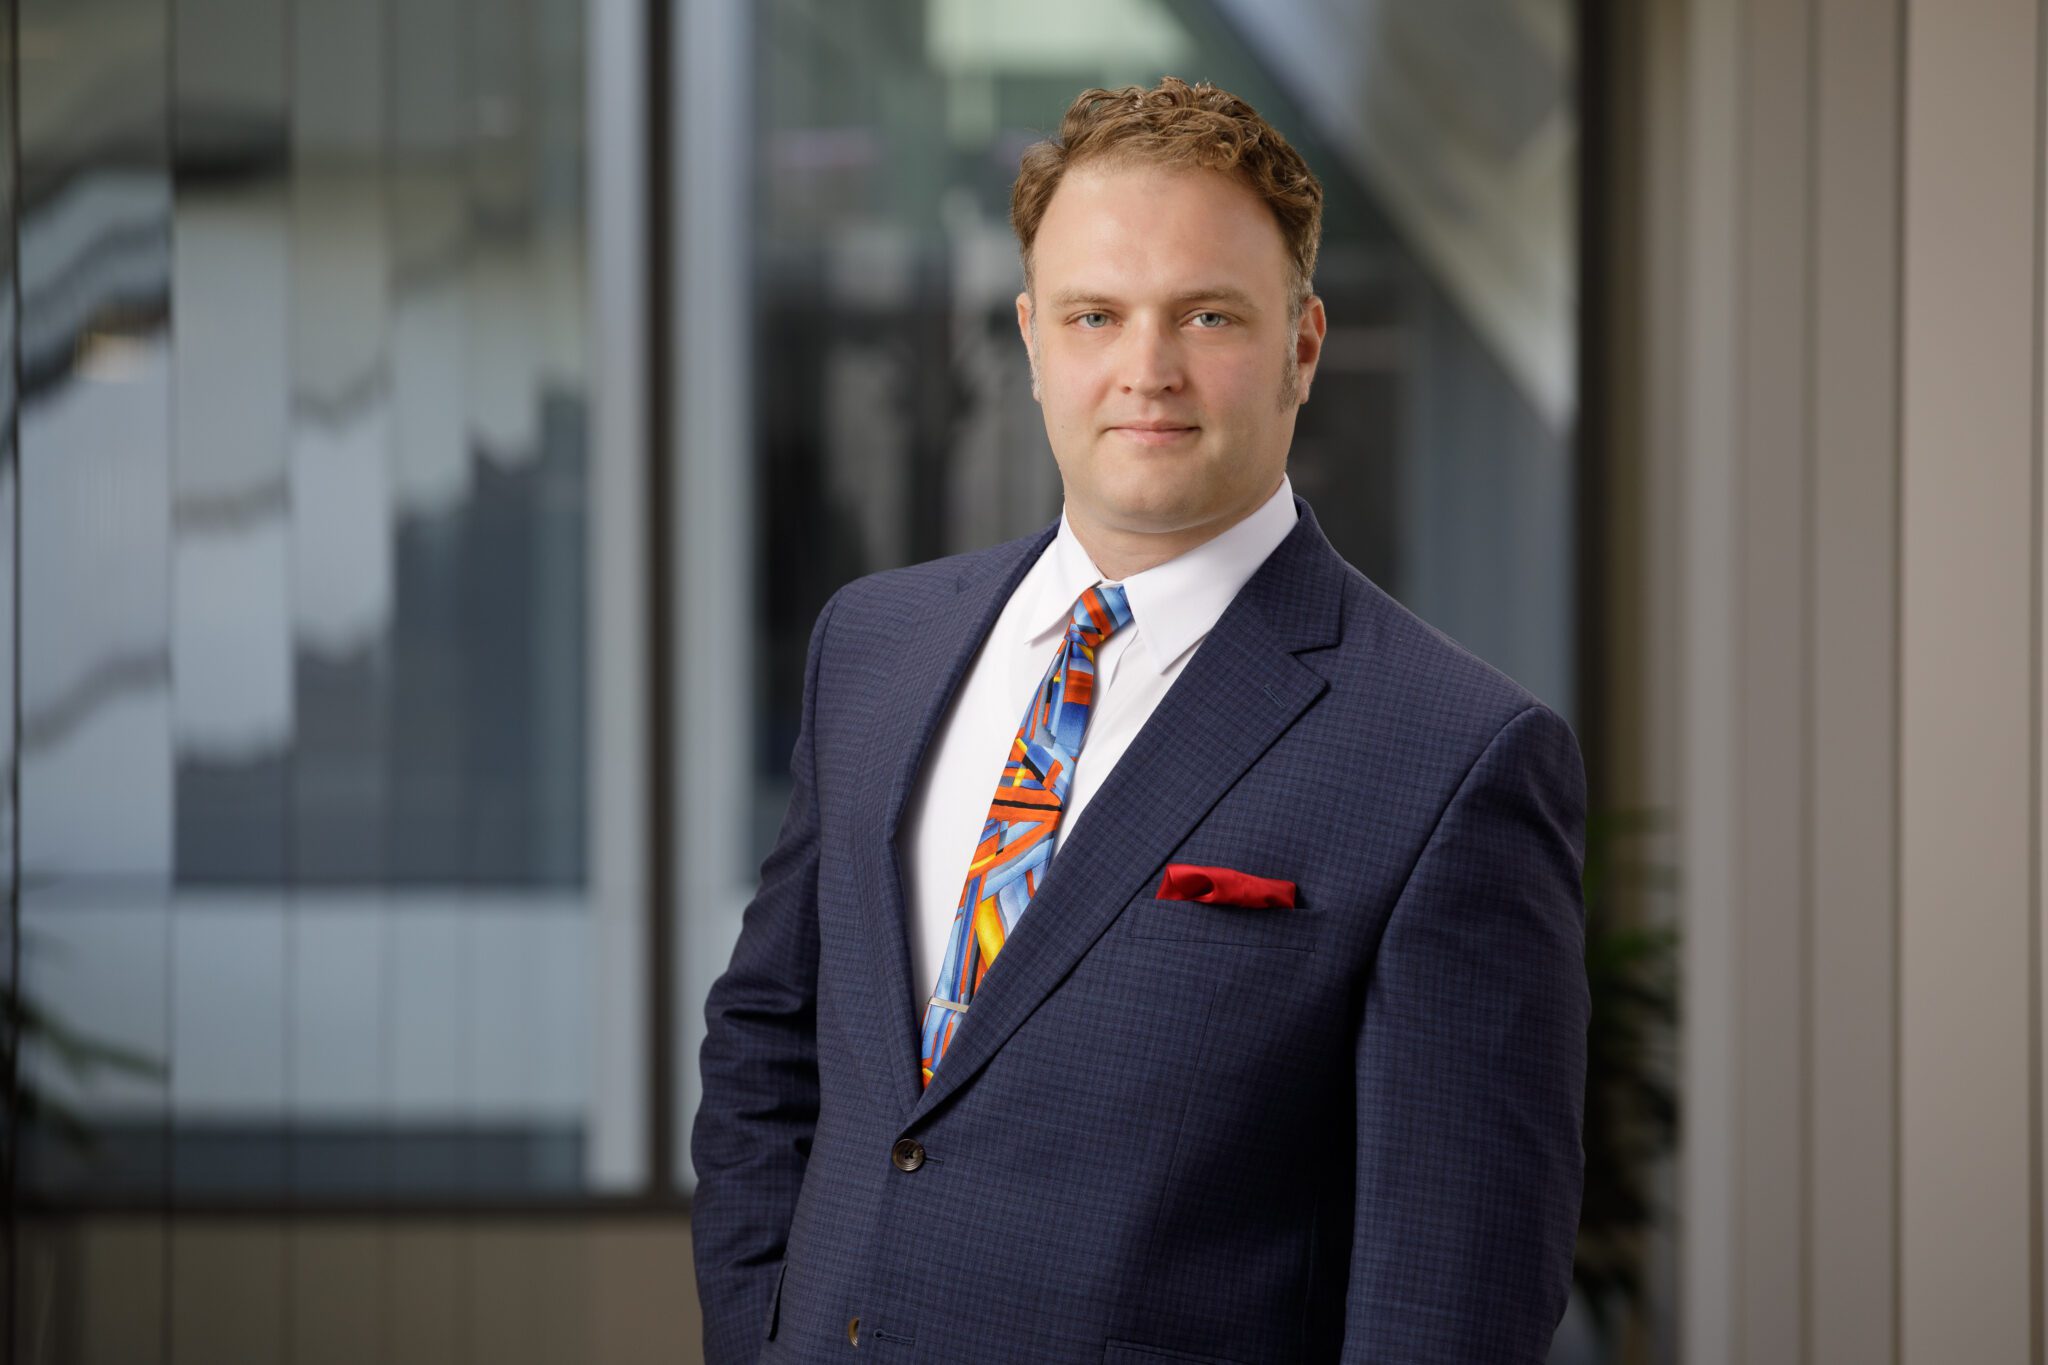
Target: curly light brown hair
1177,124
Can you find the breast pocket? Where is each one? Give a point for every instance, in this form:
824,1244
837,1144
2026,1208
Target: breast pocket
1291,928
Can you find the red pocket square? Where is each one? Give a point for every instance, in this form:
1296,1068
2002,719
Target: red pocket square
1223,886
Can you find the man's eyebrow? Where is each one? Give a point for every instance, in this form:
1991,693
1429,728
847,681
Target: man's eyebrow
1220,293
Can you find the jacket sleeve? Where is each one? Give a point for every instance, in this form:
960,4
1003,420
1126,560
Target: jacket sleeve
759,1063
1471,1071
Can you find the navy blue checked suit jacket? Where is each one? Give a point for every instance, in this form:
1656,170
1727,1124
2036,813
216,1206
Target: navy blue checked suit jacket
1166,1130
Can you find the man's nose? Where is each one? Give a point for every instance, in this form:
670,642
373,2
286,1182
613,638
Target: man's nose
1150,359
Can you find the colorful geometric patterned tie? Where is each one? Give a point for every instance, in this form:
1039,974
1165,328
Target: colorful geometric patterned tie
1023,821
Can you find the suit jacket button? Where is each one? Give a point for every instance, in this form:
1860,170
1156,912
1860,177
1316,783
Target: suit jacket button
853,1329
908,1154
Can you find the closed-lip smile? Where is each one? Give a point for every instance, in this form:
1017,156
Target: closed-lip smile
1154,433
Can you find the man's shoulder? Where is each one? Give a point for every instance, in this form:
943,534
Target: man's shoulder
1390,653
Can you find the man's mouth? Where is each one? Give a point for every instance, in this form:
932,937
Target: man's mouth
1155,433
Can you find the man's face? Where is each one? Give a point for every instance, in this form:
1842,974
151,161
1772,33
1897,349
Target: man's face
1162,351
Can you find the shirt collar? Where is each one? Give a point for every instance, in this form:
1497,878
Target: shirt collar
1173,605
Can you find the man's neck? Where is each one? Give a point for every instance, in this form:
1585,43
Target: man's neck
1120,553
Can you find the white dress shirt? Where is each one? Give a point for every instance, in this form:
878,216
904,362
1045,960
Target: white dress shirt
1173,606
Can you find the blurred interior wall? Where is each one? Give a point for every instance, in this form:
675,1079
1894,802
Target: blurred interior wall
1825,541
386,386
418,1290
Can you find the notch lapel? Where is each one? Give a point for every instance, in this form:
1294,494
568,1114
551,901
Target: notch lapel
938,641
1239,694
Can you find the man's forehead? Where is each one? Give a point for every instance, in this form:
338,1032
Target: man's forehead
1111,225
1097,187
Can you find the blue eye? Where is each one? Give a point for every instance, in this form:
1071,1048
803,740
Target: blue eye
1083,320
1220,320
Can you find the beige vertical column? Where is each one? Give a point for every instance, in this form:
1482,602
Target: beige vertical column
1773,604
1851,1101
1746,679
1968,1073
1709,401
1785,454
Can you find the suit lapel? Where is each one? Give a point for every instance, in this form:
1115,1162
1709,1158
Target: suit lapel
1239,694
941,637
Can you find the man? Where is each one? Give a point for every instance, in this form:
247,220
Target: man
1232,1005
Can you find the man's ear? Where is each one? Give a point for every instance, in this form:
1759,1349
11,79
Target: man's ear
1308,345
1024,330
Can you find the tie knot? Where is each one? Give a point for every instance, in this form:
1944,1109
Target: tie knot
1099,613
